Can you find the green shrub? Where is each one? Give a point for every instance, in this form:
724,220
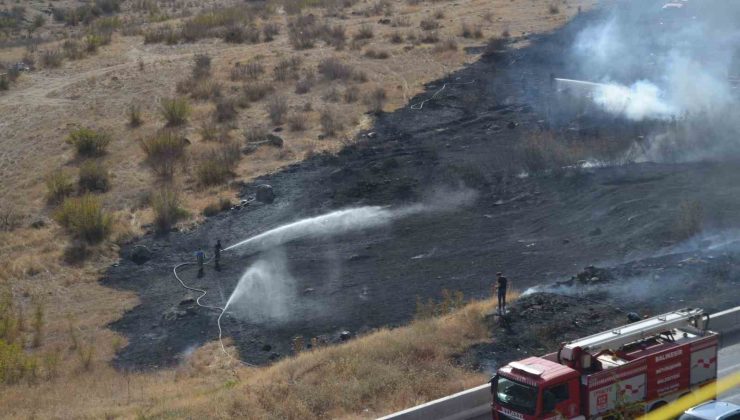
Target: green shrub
163,151
58,186
175,110
14,363
4,83
88,142
167,208
93,41
217,165
84,218
93,177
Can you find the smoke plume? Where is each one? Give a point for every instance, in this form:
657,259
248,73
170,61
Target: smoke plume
668,63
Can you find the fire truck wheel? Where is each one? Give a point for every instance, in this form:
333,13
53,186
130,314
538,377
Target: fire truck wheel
657,405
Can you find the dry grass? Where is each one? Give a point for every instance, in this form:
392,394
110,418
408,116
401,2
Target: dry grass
376,374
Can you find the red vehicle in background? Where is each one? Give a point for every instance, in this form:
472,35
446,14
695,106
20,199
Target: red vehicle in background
620,373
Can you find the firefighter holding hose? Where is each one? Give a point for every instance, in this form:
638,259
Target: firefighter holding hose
217,255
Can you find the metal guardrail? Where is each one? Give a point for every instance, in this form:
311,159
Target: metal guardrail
476,402
471,403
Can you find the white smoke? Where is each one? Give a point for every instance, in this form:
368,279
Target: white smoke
668,64
637,102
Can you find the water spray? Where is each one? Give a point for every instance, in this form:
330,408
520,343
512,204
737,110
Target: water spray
333,223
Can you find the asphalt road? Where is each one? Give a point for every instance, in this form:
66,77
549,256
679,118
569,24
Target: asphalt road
729,362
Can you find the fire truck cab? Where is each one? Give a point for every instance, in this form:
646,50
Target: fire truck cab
629,370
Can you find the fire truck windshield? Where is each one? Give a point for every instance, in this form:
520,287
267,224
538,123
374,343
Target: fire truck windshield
516,395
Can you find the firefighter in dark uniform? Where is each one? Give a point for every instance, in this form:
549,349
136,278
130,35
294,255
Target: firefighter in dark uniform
217,255
501,284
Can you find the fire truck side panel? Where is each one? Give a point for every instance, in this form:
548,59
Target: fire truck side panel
625,391
703,361
668,371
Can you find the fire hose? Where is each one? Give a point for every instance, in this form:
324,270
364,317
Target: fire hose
215,308
420,105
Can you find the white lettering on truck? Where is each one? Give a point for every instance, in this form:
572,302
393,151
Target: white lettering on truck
670,355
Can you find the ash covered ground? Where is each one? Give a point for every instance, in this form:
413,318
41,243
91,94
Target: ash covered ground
453,159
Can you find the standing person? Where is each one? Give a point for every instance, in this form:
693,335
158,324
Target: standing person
217,255
200,257
501,284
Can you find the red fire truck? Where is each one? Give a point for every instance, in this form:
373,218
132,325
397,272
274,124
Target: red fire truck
619,373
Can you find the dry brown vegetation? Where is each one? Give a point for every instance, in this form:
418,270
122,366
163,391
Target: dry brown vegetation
105,76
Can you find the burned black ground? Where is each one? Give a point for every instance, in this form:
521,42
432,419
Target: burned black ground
536,228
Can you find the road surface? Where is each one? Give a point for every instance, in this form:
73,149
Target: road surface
729,362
